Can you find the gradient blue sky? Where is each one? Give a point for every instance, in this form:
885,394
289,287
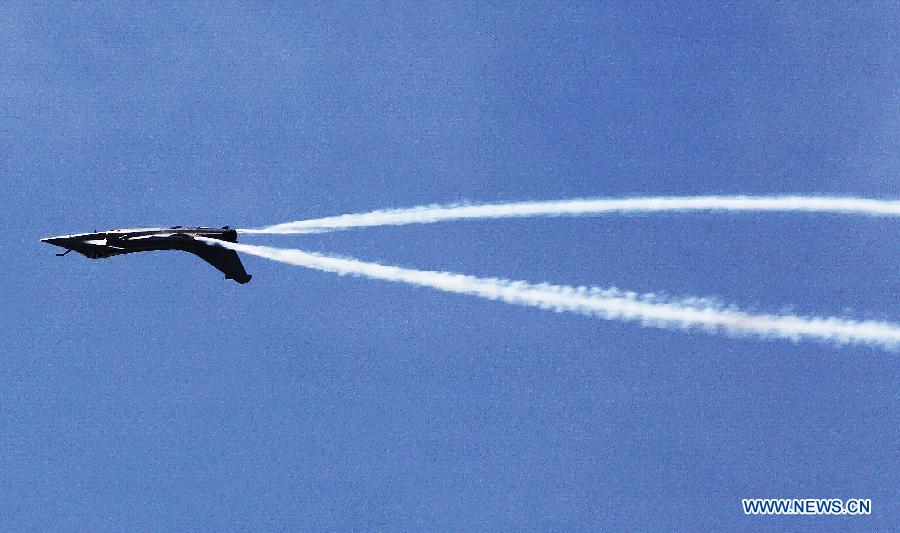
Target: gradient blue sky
148,393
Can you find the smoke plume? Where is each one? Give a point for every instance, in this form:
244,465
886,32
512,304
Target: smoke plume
437,213
611,304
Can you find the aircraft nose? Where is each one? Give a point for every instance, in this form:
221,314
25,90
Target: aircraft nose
56,241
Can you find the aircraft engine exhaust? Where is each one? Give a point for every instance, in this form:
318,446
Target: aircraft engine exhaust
612,304
583,207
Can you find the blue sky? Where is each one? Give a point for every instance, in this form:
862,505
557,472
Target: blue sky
148,392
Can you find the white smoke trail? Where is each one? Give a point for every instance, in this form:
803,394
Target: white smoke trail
608,304
437,213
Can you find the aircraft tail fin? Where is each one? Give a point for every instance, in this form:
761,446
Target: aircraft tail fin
226,261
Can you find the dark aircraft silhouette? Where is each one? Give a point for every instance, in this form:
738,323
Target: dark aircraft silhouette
103,244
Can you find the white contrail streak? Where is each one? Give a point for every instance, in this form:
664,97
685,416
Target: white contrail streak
438,213
608,304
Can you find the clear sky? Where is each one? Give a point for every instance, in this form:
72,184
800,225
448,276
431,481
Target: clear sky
146,392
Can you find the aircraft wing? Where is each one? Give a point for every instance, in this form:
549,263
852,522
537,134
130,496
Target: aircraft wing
227,261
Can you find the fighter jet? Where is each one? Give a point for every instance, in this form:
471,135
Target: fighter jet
104,244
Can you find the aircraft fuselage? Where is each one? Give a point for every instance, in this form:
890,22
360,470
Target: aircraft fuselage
99,245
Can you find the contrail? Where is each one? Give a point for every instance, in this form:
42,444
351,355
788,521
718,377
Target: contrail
439,213
612,304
